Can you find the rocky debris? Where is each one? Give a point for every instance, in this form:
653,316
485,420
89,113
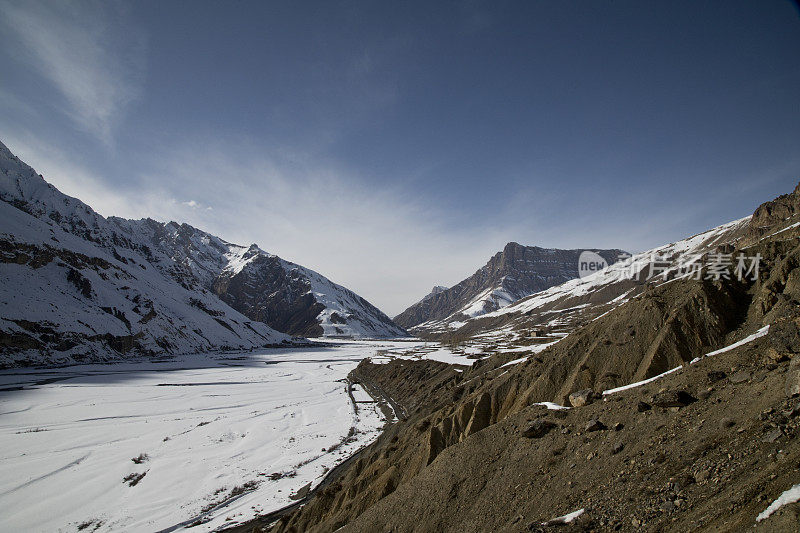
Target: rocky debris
595,425
716,375
643,406
680,482
775,356
773,213
740,377
583,397
672,398
784,336
727,423
134,478
538,429
792,387
772,436
706,393
617,447
792,411
141,458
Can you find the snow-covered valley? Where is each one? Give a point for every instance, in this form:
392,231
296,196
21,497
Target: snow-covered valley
220,438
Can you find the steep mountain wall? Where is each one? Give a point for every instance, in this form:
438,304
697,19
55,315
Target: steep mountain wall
511,274
75,286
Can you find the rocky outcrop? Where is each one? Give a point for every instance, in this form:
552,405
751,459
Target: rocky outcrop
583,397
268,293
774,213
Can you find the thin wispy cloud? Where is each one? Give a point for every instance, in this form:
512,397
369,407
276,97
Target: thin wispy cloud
72,177
86,51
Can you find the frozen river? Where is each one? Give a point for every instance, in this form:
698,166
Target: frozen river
222,437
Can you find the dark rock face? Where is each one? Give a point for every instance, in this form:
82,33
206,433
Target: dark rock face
716,375
268,293
514,273
263,286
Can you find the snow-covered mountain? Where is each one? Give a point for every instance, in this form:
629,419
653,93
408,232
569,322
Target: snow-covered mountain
262,286
76,286
559,309
514,273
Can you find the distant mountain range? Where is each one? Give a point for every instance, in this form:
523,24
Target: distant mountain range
516,272
75,286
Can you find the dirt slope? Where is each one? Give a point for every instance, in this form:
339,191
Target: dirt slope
706,447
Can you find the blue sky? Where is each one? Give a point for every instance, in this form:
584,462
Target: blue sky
396,146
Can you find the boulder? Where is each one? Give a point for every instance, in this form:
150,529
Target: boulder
673,398
583,397
538,429
595,425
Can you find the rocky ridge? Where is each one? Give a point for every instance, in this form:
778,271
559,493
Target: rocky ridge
80,287
514,273
287,297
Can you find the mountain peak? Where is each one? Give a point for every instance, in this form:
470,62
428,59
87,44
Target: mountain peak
515,272
118,287
437,289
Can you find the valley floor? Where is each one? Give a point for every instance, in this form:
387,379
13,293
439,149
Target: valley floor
210,440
